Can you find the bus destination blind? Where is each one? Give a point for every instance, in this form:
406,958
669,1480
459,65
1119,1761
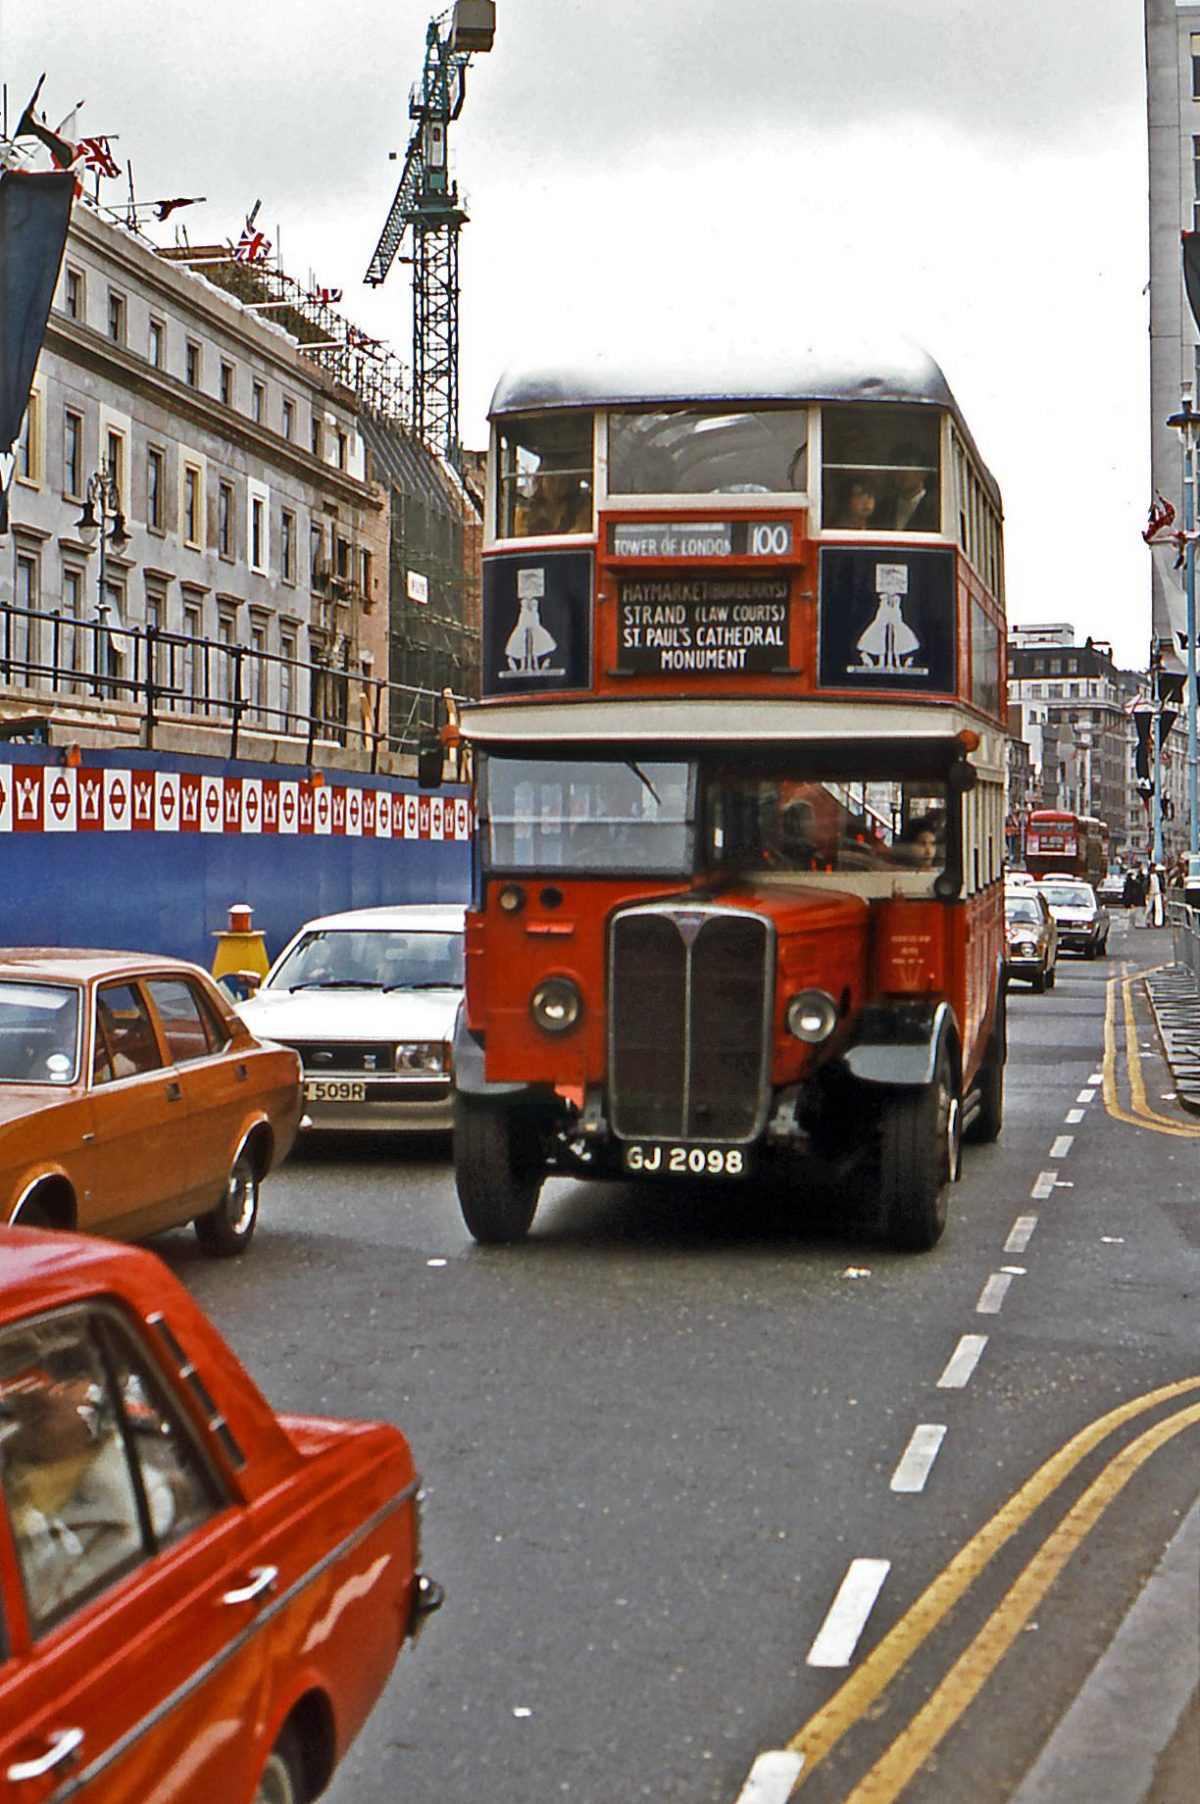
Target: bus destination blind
703,625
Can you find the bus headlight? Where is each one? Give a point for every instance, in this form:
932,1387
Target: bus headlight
812,1016
556,1005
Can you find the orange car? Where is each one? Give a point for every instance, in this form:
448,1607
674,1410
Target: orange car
200,1600
132,1098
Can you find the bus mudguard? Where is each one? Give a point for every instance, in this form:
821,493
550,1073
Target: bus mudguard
900,1046
467,1059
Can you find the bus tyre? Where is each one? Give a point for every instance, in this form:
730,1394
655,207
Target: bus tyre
497,1186
919,1157
990,1084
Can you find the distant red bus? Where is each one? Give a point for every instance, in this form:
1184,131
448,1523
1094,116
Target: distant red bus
1058,844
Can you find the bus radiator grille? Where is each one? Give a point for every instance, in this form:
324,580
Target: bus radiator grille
688,1011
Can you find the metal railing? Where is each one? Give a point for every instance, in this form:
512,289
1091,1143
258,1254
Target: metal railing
173,676
1184,922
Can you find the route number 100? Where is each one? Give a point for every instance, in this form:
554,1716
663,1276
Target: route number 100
767,540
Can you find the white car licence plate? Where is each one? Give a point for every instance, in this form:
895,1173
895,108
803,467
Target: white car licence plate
334,1089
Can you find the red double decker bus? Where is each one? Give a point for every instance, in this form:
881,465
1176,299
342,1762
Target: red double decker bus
739,765
1060,844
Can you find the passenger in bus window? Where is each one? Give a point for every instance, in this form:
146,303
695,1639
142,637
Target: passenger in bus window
912,504
918,845
561,502
856,508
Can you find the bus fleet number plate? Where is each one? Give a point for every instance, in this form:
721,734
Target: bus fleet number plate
663,1160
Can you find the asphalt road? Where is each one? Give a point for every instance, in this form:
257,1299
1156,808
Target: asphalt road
664,1435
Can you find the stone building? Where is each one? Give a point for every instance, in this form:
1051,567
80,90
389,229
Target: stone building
1073,720
241,576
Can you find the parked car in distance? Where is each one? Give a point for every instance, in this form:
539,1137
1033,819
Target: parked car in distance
200,1600
132,1098
1083,922
1032,937
368,999
1111,893
1019,880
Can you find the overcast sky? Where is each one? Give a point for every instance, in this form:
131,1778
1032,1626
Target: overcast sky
706,172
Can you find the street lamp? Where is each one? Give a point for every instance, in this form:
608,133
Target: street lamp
102,521
1187,423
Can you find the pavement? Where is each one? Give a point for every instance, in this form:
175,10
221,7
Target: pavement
1175,999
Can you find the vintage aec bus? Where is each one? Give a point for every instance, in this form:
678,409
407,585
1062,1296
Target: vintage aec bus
739,765
1061,844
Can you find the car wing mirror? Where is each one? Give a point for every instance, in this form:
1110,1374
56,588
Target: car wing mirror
430,756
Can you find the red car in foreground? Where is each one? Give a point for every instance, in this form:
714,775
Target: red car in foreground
199,1600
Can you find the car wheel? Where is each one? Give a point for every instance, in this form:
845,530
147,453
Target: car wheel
920,1150
228,1229
497,1176
1051,976
1038,984
282,1778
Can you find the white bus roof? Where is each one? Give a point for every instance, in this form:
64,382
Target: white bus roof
899,371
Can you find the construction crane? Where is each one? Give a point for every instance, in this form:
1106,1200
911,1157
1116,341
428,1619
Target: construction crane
427,204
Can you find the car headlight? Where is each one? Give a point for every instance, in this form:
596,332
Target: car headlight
421,1055
812,1016
556,1005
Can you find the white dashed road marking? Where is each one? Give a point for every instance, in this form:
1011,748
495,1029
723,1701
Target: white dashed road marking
993,1294
1062,1146
848,1613
1046,1180
1074,1116
1022,1234
1086,1096
771,1778
962,1363
918,1457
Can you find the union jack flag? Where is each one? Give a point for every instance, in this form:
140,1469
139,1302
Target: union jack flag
97,154
326,297
251,247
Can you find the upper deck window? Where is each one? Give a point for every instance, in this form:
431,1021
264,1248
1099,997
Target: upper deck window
881,469
545,475
688,451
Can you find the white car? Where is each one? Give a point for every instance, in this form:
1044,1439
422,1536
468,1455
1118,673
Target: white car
368,1000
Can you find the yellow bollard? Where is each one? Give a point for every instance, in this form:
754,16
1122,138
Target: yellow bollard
240,947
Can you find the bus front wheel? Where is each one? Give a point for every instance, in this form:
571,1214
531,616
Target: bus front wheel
495,1172
919,1158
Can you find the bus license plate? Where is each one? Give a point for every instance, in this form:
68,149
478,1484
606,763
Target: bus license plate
332,1089
659,1160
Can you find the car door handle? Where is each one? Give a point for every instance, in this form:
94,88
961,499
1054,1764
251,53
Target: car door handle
261,1579
242,1073
174,1092
62,1745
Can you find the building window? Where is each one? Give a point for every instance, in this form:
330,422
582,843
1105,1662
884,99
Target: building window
258,405
1195,37
342,566
341,448
258,674
288,678
364,577
26,628
223,685
287,546
257,533
227,385
157,342
191,671
316,556
225,519
156,471
114,457
156,621
193,505
116,316
316,436
73,293
72,455
29,445
191,364
71,637
289,418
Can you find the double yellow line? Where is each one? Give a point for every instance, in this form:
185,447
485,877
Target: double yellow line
1142,1115
913,1746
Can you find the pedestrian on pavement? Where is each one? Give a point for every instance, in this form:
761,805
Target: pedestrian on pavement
1155,904
1132,894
